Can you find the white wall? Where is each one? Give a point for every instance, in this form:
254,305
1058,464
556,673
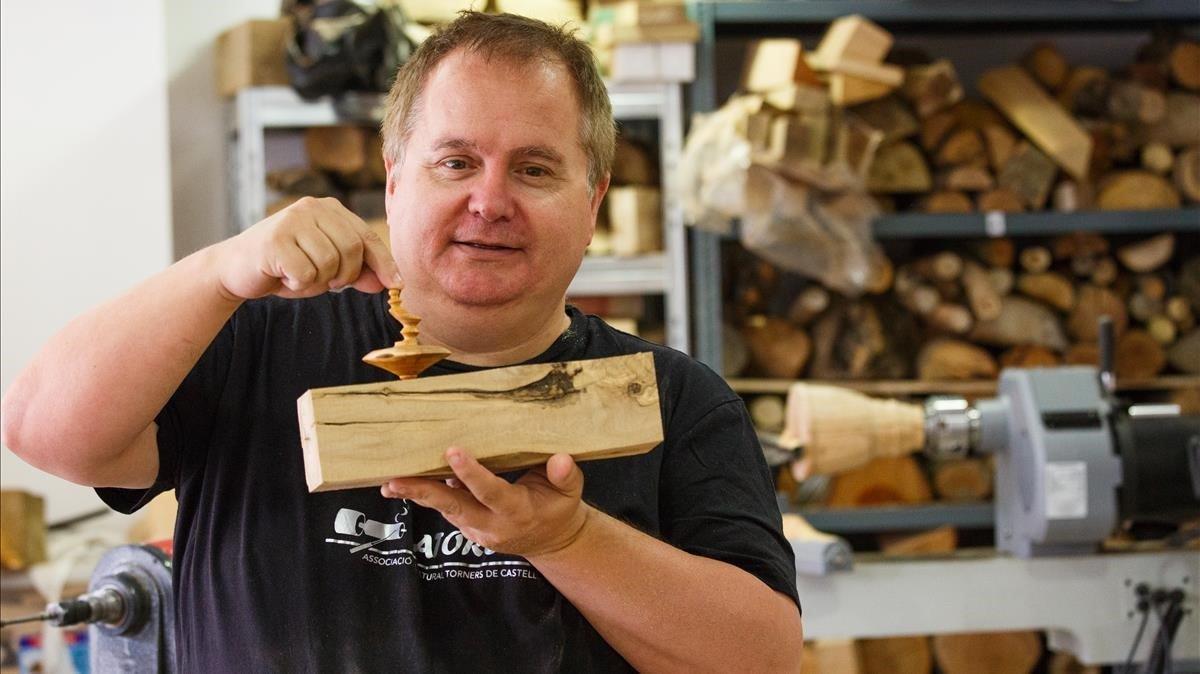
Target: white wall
199,195
84,195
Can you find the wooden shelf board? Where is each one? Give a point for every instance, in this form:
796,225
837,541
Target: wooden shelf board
963,388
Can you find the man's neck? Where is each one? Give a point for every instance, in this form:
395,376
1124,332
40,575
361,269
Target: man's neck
493,337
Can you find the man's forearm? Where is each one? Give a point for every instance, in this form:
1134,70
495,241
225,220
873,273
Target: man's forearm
96,385
666,610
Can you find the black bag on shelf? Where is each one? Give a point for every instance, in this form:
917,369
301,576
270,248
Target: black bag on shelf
338,46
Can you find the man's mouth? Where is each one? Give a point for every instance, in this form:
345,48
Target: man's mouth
484,246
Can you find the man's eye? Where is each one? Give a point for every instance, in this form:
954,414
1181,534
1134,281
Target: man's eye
535,171
455,164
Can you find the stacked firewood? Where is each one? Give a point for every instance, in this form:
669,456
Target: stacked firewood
1048,134
345,162
966,313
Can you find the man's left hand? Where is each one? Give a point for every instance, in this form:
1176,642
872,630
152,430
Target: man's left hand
540,513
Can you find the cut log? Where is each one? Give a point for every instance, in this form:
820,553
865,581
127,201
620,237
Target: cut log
1162,329
1035,259
962,479
951,359
1136,190
1157,158
881,273
950,317
861,341
1000,143
966,178
1104,272
1091,303
1152,286
633,163
946,201
767,413
1184,354
1180,313
809,304
1047,65
341,149
1070,196
775,63
1138,355
1184,62
981,295
992,653
1049,287
944,266
887,480
1082,353
635,220
852,38
1142,307
938,542
1085,93
899,168
1002,280
961,147
825,332
1029,108
777,348
996,252
1030,174
302,181
931,88
999,199
350,434
1079,244
1147,255
1187,173
1028,355
891,116
846,90
1021,321
919,298
1188,282
935,128
1181,124
895,655
1130,101
23,530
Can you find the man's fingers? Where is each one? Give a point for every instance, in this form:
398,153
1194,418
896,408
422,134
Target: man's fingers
379,259
350,248
564,474
430,493
489,489
323,253
293,268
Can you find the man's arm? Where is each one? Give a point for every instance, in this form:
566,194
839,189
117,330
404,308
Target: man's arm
661,608
84,408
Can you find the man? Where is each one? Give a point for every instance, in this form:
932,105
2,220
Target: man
498,141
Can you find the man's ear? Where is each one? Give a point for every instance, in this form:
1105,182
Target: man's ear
601,190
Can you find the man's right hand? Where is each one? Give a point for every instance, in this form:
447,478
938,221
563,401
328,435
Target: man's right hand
308,248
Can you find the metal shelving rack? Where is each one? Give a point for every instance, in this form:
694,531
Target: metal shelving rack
256,110
778,17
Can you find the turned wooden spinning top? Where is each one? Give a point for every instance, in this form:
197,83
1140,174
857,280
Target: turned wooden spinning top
408,357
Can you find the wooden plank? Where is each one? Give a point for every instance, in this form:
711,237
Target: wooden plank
508,418
1041,118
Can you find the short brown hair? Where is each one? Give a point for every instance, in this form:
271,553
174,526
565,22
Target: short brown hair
515,38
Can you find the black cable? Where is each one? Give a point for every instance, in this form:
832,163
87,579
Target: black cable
1137,639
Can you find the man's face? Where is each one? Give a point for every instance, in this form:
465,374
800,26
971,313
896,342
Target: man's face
489,205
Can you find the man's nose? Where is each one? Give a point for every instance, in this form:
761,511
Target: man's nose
491,195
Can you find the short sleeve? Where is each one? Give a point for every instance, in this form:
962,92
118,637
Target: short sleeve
185,424
718,499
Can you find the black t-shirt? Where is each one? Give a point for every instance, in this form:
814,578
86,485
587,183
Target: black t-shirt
271,578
